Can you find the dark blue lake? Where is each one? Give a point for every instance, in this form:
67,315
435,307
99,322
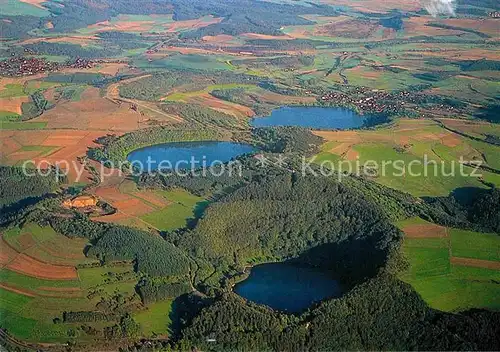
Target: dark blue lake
182,154
287,287
311,117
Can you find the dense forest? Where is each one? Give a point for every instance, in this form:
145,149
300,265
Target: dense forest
15,185
152,254
382,313
244,16
287,216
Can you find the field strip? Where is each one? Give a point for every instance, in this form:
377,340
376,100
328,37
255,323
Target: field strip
425,231
477,263
15,290
7,253
103,218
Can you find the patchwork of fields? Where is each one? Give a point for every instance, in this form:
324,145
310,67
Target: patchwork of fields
44,274
80,78
410,140
149,209
453,270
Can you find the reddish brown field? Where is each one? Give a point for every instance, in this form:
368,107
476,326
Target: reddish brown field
349,28
32,267
92,112
68,146
488,26
477,263
451,140
7,253
13,104
111,194
351,154
418,26
425,231
133,206
218,39
340,136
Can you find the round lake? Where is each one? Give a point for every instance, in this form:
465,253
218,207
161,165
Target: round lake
311,117
187,155
287,287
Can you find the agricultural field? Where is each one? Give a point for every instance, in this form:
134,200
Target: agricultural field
429,146
44,274
155,320
153,262
149,209
452,269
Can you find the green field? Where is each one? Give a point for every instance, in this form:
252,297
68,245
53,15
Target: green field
28,305
7,125
15,7
446,286
177,214
191,61
155,321
12,90
468,244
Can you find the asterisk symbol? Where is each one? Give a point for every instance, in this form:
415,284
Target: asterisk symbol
281,160
262,161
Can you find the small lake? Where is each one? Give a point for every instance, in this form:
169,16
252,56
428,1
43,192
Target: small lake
287,287
181,155
311,117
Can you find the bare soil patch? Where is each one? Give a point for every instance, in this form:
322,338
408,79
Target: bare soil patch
7,253
32,267
451,140
349,28
218,39
425,231
351,154
477,263
13,104
92,112
133,206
